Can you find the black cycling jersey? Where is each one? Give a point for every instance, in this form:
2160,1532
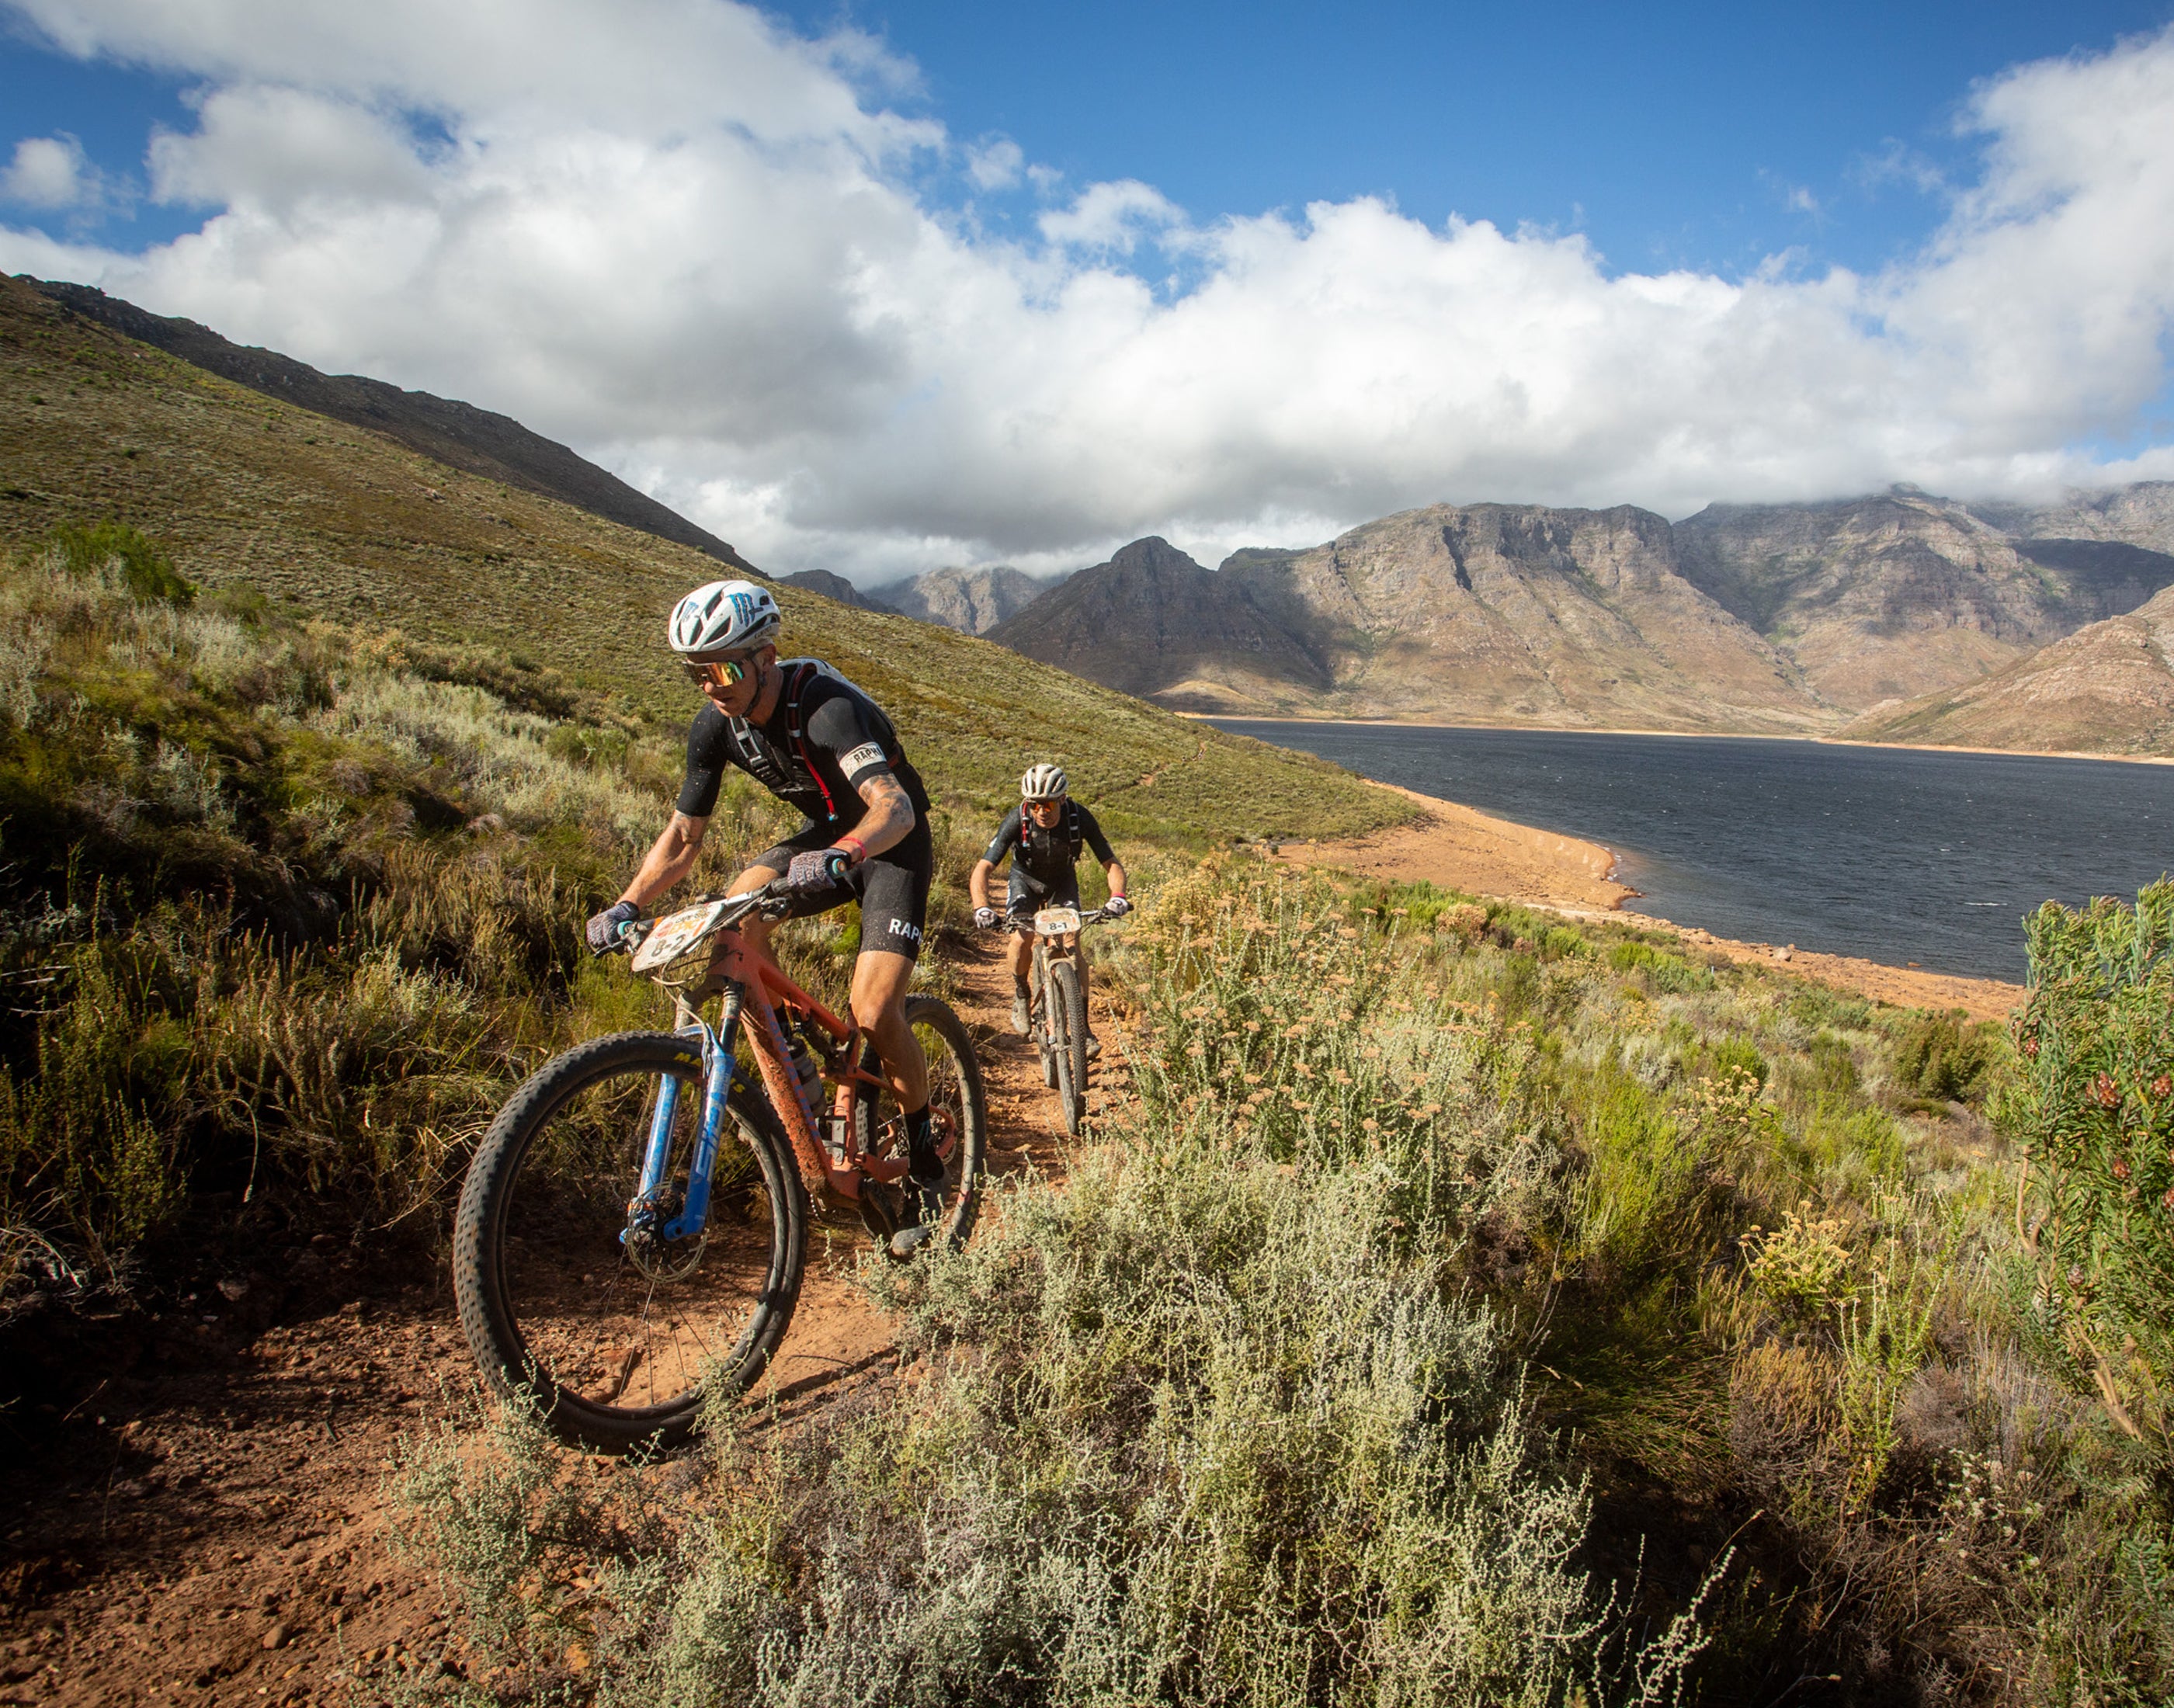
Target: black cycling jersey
825,737
1048,855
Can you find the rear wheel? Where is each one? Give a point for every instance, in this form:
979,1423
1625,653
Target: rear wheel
958,1114
1068,1011
615,1332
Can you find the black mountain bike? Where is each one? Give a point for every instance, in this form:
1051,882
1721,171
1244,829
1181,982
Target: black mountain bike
1057,984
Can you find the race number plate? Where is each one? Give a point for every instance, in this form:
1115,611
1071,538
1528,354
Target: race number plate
1057,922
675,934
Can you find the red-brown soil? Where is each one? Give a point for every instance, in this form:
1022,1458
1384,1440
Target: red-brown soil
200,1515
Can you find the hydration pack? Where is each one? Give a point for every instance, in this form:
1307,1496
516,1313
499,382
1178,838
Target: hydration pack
792,777
1040,843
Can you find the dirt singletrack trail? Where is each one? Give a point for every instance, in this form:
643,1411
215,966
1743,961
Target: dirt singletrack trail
204,1519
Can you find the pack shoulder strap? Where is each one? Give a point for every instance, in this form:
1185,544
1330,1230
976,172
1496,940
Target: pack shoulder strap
804,672
759,758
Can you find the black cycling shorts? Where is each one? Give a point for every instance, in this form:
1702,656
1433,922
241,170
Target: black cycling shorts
1023,896
892,887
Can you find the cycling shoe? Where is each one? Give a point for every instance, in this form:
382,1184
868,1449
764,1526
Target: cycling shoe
925,1205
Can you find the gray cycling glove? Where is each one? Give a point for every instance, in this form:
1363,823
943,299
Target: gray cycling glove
817,871
604,929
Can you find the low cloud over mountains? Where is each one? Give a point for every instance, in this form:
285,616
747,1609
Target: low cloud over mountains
713,256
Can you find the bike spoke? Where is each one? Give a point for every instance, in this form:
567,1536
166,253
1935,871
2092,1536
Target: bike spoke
640,1329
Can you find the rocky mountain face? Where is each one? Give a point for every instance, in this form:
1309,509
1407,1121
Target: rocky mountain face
971,601
1874,598
458,435
1490,612
1890,596
837,588
2140,515
1742,618
2108,688
1151,619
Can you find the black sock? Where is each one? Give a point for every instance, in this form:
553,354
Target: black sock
921,1161
1020,986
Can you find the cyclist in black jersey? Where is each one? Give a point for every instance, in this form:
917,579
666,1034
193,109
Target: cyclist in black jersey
819,743
1043,835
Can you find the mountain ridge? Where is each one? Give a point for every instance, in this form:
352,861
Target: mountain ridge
1790,618
1521,614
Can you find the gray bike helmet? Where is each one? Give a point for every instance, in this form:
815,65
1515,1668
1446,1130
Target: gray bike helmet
724,617
1042,783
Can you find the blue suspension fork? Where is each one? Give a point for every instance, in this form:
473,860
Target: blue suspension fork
717,1088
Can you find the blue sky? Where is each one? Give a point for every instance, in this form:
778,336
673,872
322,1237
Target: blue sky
1703,136
1674,135
895,283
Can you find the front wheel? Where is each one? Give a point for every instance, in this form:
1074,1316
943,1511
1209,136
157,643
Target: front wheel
613,1332
1067,1014
958,1114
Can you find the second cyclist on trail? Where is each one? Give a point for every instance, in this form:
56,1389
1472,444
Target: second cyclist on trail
819,743
1044,835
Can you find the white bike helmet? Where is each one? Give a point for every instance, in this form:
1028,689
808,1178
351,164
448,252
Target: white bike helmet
1042,783
724,617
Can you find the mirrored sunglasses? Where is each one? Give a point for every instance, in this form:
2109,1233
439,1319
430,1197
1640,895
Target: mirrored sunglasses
724,672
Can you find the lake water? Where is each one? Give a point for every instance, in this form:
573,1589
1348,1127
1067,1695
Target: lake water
1893,854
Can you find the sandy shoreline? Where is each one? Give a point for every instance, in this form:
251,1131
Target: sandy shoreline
1458,848
1909,747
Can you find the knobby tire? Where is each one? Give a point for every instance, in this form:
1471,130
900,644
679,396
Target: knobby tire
956,1099
613,1352
1068,1006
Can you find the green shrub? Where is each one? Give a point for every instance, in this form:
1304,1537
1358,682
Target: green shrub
1942,1058
1560,942
84,551
1668,974
2094,1108
1739,1056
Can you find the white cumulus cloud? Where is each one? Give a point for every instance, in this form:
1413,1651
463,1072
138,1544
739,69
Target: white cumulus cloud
52,173
713,256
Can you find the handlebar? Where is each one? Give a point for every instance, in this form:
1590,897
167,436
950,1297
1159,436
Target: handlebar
769,901
1089,916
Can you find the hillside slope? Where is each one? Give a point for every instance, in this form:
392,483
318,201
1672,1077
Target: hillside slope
458,435
2106,688
1512,614
246,490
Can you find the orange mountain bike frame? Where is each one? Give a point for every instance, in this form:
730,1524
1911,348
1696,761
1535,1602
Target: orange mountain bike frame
755,990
